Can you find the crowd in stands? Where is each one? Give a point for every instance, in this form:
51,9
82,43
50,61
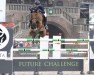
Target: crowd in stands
24,44
21,44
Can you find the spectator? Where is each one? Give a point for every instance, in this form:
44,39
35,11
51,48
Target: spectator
15,44
21,44
27,44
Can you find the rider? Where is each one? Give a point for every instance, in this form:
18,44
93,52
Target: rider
40,8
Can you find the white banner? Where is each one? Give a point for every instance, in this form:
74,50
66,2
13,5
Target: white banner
91,18
91,14
2,10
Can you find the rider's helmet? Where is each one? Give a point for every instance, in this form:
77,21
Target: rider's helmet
37,2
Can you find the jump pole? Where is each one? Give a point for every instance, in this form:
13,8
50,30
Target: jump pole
44,44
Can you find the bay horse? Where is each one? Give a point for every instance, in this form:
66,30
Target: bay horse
37,28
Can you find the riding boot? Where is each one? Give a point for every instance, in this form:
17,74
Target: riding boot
46,26
45,22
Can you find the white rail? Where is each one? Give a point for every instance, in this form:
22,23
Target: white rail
28,49
30,39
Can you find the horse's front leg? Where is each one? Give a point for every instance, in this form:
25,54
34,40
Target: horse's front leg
31,33
42,33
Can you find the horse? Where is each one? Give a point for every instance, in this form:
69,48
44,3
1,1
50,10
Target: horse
37,28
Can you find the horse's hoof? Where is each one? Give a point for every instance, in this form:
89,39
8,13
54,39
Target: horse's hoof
32,42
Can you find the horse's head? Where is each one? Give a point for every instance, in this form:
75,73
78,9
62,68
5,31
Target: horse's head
37,19
37,28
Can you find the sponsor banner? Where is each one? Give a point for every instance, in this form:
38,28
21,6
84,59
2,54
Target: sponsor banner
6,42
6,38
47,65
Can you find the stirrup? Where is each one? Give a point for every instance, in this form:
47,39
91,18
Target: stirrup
46,27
